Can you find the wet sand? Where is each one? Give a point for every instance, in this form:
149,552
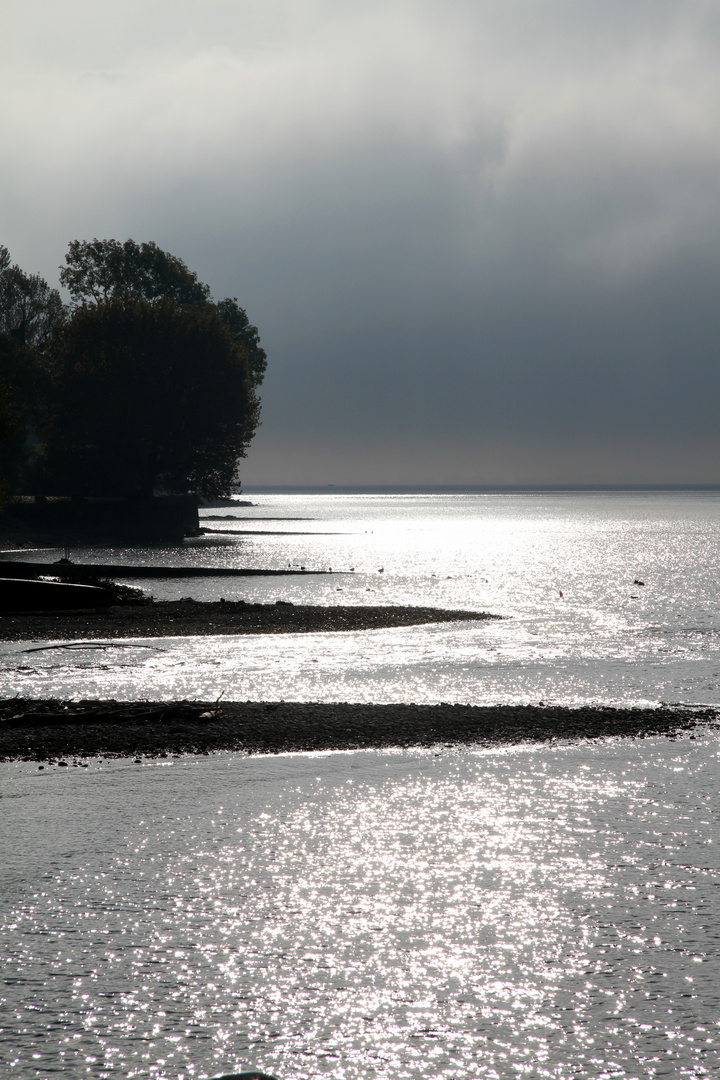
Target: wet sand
64,733
179,618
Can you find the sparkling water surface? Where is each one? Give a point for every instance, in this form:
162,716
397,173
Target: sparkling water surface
542,912
550,911
605,597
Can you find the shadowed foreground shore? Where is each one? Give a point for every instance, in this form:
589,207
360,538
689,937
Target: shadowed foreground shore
53,730
179,618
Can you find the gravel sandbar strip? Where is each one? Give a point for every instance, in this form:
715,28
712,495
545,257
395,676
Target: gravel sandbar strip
49,730
180,618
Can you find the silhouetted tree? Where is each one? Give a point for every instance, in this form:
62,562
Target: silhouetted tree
237,322
23,396
146,395
102,269
11,460
28,306
28,310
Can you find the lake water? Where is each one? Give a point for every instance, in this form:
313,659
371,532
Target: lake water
560,568
546,911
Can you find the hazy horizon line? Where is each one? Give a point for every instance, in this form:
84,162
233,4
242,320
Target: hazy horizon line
410,489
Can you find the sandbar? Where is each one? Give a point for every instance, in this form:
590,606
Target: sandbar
65,733
179,618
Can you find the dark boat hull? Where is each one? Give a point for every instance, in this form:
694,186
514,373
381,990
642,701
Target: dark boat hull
21,594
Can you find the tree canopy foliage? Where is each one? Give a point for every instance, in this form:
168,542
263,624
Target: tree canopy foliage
28,306
103,269
146,397
142,383
28,310
22,399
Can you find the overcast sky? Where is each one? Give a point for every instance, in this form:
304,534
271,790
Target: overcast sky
480,238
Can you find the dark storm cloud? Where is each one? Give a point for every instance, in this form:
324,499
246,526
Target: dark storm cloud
480,239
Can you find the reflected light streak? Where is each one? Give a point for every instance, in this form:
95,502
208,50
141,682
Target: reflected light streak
476,914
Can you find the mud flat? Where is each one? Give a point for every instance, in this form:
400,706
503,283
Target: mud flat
60,734
181,618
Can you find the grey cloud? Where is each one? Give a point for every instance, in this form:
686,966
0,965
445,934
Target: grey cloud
480,239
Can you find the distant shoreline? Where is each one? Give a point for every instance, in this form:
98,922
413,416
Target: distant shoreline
467,489
60,733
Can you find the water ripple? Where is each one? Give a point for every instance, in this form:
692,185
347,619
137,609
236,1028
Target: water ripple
546,913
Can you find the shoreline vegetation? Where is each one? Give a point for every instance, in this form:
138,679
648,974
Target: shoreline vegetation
64,733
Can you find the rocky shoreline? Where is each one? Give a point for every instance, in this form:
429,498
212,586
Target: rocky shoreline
179,618
53,731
